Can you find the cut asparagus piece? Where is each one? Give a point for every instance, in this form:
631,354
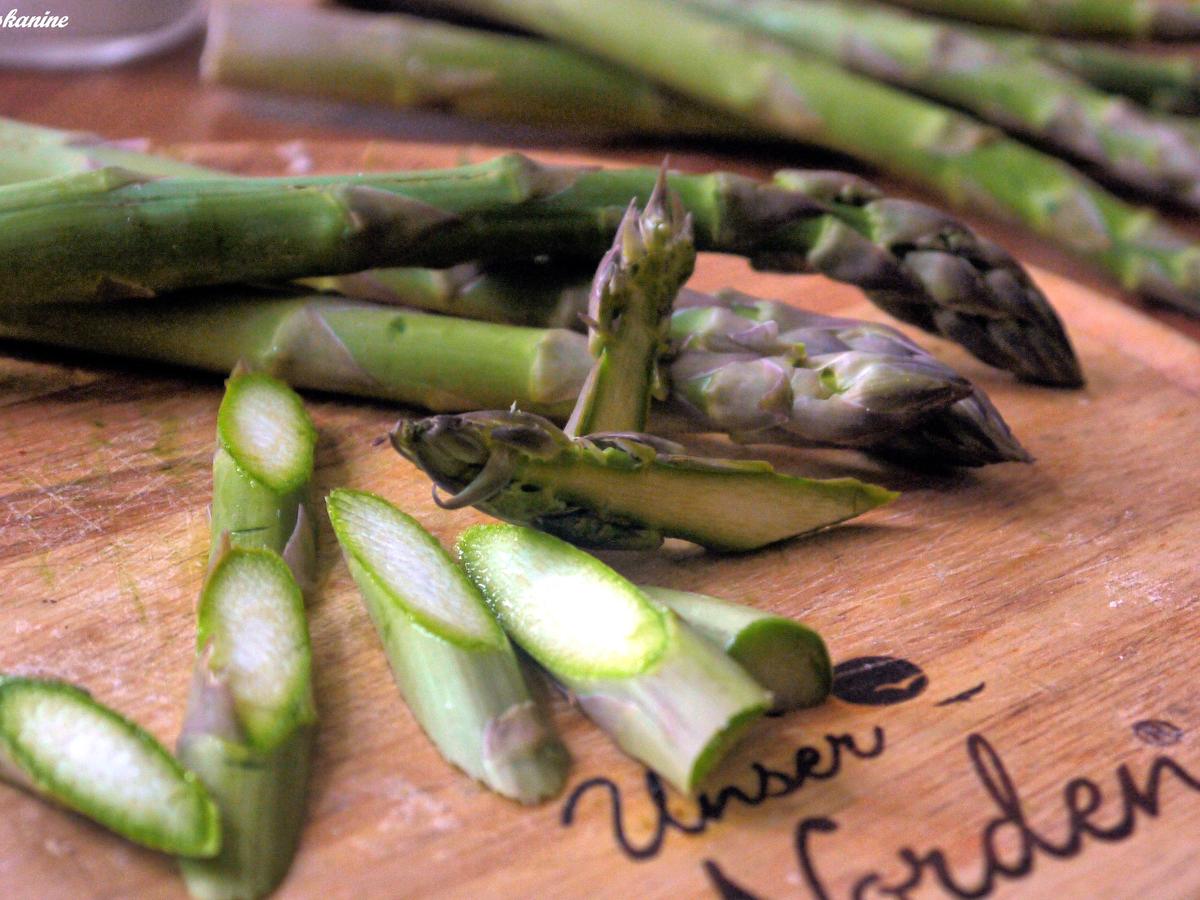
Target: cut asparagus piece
261,471
1015,91
251,721
131,237
629,314
452,662
1104,18
413,63
60,743
666,696
620,490
786,657
328,344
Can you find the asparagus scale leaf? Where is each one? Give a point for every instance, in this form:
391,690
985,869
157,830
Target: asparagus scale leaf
251,720
1102,18
451,660
58,742
786,657
620,490
665,695
629,314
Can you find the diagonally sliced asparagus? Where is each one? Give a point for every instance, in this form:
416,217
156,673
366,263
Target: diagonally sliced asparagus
665,695
251,720
453,664
261,471
56,741
786,657
629,314
620,490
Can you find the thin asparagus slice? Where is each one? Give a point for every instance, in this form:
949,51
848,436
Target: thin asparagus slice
133,237
413,63
328,344
58,742
261,471
1015,91
629,313
786,657
453,664
666,696
807,98
250,722
1103,18
620,491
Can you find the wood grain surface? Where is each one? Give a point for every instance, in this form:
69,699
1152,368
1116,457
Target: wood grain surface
1041,736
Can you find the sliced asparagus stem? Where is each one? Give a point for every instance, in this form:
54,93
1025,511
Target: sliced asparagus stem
1015,91
413,63
665,695
131,237
251,720
261,471
453,664
618,490
787,658
328,344
629,315
58,742
1102,18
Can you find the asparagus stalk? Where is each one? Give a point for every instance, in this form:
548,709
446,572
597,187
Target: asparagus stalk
331,345
453,664
58,742
800,96
446,364
666,696
413,63
1139,19
261,471
131,237
250,721
787,658
1018,92
619,491
629,313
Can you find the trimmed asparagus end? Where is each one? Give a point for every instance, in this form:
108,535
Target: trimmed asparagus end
263,425
391,545
784,656
55,740
678,704
455,667
253,633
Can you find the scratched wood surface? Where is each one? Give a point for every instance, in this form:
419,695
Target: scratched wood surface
1041,621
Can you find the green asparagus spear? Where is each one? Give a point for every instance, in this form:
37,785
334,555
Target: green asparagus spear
58,742
414,63
456,669
446,364
1015,91
629,314
666,696
1139,19
130,237
787,658
619,491
809,99
250,722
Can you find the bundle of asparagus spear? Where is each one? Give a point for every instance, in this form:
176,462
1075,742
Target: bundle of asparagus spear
1011,109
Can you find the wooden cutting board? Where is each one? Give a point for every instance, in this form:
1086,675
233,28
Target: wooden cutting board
1018,709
